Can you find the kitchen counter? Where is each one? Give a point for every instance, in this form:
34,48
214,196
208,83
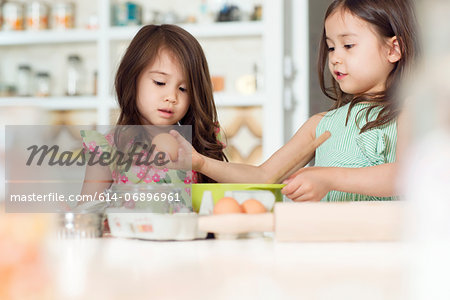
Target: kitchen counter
259,268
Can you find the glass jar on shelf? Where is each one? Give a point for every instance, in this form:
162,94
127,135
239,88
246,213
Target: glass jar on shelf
74,75
37,15
12,16
42,84
24,80
63,15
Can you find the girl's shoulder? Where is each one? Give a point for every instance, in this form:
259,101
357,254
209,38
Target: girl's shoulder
93,138
357,113
309,127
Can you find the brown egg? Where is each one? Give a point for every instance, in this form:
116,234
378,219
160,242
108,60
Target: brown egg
165,142
253,206
227,205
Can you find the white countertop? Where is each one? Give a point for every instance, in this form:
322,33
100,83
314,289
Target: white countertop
260,268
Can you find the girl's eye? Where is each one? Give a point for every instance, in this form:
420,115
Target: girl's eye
330,49
158,82
349,46
182,89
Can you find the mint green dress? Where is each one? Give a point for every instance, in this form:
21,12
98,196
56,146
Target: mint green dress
348,148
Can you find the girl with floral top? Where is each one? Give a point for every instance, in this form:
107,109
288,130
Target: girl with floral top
163,79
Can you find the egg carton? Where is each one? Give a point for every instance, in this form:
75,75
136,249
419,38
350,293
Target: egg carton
267,198
154,226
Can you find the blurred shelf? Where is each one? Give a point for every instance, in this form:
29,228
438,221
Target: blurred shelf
53,103
13,38
227,99
204,30
211,30
222,99
269,50
92,102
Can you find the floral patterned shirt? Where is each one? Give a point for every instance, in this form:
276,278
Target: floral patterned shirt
137,174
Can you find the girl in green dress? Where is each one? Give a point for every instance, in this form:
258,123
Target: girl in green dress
367,46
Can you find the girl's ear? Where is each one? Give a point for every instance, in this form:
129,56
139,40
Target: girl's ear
394,53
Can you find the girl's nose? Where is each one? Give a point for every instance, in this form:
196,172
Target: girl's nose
172,98
335,58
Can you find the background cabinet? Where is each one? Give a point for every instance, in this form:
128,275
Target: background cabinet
232,50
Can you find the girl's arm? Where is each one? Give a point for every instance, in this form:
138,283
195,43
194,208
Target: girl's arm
232,172
312,184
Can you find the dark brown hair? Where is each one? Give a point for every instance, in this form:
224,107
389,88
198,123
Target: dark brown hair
202,114
389,18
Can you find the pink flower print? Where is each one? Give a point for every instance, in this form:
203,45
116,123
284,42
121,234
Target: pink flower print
140,171
191,177
194,177
115,176
124,179
156,178
216,130
109,137
147,178
154,175
92,145
165,170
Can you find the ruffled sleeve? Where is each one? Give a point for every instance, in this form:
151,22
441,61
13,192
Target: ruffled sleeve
93,139
373,146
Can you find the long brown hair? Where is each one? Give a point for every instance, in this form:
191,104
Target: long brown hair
202,114
389,18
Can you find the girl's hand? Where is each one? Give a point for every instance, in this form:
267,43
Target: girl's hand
308,184
194,162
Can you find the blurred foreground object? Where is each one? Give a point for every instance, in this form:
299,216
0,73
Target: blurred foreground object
426,169
23,269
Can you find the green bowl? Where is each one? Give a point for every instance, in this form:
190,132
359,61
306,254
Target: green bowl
218,190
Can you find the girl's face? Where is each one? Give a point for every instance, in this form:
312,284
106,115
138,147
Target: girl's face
357,58
162,98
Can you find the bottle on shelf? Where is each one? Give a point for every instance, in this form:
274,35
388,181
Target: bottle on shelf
24,80
205,15
12,16
74,75
95,87
37,15
126,14
42,84
63,15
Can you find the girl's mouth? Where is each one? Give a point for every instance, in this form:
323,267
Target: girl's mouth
339,75
165,113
